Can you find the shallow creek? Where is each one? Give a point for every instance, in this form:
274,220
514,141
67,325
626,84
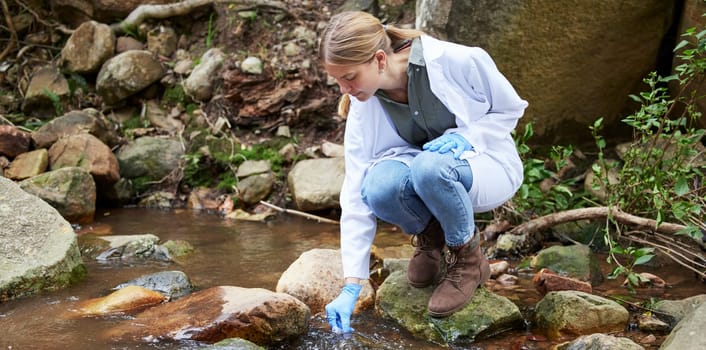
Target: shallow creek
253,255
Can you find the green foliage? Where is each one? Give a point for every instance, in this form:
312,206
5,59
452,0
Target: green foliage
55,101
214,162
175,95
562,194
660,173
210,33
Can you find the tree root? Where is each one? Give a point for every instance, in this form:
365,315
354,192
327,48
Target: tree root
143,12
299,213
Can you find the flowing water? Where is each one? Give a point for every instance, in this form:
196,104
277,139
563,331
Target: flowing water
251,255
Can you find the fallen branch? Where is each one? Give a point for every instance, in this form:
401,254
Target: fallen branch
299,213
143,12
11,27
545,222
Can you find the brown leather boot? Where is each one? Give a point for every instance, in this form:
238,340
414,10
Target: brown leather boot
466,269
423,268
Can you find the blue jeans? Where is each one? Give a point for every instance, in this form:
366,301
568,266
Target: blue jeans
434,184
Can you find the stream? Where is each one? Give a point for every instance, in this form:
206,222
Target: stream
254,255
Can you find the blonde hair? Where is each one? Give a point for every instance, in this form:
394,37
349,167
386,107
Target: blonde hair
353,37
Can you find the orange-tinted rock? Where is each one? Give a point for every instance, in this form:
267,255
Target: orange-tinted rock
127,300
13,141
213,314
548,281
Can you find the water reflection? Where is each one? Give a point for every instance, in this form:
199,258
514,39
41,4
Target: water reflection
251,255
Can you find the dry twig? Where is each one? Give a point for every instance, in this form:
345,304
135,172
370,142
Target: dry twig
299,213
11,27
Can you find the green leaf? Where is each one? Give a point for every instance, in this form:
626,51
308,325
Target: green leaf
681,187
643,259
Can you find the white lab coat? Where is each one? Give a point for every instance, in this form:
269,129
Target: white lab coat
486,106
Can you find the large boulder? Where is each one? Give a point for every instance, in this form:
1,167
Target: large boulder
486,315
211,315
573,61
89,121
87,152
38,249
565,313
88,47
316,278
71,191
686,334
126,74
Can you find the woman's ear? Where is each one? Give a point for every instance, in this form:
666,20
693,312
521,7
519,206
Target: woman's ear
381,58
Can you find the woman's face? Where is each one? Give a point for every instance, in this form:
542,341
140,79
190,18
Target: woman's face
360,81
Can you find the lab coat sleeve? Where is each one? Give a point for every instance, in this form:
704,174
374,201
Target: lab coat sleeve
485,86
358,223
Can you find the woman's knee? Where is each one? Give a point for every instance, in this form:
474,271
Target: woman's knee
430,167
383,183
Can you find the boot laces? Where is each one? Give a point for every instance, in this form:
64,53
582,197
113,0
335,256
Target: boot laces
453,270
422,243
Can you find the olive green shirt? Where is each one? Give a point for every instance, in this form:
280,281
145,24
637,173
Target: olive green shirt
424,117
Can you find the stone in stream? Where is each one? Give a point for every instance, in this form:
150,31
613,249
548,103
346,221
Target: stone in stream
38,249
258,315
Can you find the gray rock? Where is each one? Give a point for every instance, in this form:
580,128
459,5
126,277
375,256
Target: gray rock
599,342
486,315
173,284
38,248
688,334
575,313
316,183
199,84
47,93
88,121
252,65
678,309
126,74
253,167
71,191
88,47
255,188
149,157
576,261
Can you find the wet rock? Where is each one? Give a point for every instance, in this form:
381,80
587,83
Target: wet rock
678,309
87,152
648,323
647,280
13,141
507,280
172,284
315,184
157,200
255,314
71,191
126,74
234,344
253,167
88,47
47,93
127,300
688,334
149,158
28,164
599,341
88,121
38,248
199,84
316,278
486,315
253,189
576,313
129,246
575,261
162,41
498,268
548,281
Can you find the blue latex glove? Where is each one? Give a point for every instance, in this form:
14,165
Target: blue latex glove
448,142
339,311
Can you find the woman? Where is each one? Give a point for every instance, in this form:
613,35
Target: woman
427,144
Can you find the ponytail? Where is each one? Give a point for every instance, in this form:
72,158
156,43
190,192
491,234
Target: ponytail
344,105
